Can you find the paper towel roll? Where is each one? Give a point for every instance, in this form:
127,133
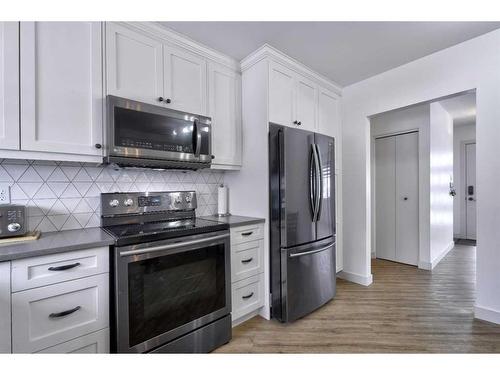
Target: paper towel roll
222,200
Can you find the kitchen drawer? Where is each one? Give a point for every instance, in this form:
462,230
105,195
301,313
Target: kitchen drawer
50,269
247,296
96,342
35,328
247,233
246,259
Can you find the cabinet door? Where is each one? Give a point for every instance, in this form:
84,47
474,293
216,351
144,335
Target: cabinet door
9,85
185,80
281,95
61,87
93,343
329,113
5,333
225,110
134,65
307,101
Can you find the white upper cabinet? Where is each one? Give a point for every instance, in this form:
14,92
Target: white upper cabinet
225,110
281,95
307,93
61,87
134,65
185,80
9,85
329,113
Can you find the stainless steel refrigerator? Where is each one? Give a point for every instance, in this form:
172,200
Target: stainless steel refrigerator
302,212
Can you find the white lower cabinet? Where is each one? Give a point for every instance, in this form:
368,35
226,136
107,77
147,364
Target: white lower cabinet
46,316
247,271
5,335
93,343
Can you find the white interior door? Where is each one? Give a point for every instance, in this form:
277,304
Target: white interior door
385,191
470,190
407,229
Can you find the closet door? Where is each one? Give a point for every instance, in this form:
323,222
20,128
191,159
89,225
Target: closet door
407,229
385,192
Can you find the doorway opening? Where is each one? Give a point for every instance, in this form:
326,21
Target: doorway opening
423,180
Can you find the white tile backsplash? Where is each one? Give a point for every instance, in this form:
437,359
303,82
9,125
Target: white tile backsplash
61,195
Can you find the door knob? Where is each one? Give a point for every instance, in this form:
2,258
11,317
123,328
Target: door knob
405,198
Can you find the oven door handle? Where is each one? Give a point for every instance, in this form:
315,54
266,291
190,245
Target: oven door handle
172,246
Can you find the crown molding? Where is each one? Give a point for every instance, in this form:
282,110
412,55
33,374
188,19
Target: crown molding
269,52
175,38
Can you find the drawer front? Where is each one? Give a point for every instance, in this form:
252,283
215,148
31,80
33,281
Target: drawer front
93,343
247,233
246,260
50,315
50,269
247,295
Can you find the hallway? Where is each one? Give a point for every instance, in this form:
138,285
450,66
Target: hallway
405,310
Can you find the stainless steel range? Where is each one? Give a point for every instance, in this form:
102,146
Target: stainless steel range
171,274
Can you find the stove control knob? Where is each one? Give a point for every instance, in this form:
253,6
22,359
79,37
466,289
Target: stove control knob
128,202
13,227
188,199
114,203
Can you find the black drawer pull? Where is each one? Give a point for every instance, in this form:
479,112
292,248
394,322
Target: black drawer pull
247,296
64,313
246,233
65,267
244,261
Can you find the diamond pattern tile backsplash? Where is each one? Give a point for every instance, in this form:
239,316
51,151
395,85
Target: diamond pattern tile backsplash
62,195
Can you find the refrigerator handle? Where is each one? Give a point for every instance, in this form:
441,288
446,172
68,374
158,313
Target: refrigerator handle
317,182
312,183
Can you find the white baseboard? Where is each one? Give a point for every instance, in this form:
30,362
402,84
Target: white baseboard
244,318
489,315
430,265
356,278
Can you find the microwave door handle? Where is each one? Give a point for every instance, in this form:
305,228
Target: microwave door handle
197,138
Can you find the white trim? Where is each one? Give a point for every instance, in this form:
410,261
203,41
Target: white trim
430,265
40,155
244,318
356,278
269,52
489,315
173,37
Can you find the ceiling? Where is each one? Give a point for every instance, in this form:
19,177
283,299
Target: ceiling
346,52
462,108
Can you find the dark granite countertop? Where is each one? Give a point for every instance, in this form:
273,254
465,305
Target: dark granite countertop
56,242
235,220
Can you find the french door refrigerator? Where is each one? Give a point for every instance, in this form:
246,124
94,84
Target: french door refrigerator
302,220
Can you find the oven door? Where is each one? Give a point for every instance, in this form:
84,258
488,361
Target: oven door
144,131
166,289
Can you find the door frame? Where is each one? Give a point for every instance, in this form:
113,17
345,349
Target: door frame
463,186
421,189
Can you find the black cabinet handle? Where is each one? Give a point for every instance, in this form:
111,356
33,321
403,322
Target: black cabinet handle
299,123
405,198
98,145
296,122
65,267
246,233
64,313
247,296
244,261
160,99
168,101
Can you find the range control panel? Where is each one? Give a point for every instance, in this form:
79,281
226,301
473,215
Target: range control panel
12,220
138,203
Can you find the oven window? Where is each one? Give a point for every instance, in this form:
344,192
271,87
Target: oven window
169,291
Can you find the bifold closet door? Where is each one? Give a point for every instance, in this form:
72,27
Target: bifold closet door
396,198
385,191
407,198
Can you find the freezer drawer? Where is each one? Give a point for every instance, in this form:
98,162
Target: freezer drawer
309,279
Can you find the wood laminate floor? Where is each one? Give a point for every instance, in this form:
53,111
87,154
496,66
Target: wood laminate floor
404,310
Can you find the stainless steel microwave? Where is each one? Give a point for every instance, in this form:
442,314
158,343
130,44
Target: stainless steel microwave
149,136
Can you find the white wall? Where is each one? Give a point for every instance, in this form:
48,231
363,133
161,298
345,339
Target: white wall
401,120
461,135
474,64
441,174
